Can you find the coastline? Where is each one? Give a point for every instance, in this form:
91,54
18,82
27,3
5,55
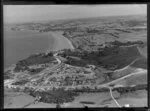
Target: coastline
18,45
49,41
60,42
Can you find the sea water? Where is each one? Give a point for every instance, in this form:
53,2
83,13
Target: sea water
19,45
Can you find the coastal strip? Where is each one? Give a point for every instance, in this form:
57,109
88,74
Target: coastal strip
60,42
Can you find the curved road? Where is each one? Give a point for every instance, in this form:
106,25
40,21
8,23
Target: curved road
102,85
136,73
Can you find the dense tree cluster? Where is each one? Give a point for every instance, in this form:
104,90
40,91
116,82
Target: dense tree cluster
75,62
7,75
33,60
110,57
123,90
87,102
118,43
56,96
21,82
35,71
89,90
93,31
133,23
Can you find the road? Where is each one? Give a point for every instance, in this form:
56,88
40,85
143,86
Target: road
135,73
48,70
107,85
110,89
127,65
139,71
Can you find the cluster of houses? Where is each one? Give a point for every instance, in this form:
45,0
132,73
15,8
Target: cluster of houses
77,77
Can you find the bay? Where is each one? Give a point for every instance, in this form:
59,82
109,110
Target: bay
19,45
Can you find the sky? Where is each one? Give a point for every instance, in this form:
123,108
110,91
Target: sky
30,13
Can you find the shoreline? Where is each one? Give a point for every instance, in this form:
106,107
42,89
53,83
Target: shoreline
60,41
19,45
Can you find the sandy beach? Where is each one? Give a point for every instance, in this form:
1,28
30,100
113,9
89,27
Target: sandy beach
60,41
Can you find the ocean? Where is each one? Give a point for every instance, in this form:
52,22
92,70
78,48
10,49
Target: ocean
19,45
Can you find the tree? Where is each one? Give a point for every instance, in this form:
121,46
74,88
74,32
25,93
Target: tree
58,106
50,54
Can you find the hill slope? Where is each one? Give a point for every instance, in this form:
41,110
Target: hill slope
121,56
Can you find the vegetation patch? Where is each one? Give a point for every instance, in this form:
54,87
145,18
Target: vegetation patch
34,60
141,63
8,75
87,102
21,82
128,43
89,90
110,57
123,90
35,71
56,96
